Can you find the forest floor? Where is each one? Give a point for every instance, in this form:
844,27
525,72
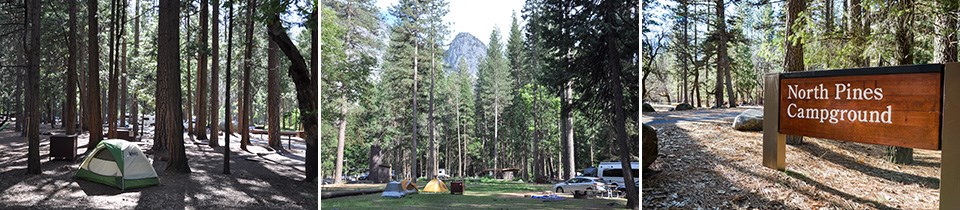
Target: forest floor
493,195
259,179
705,163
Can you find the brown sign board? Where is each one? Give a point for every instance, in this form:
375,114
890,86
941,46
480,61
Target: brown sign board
885,106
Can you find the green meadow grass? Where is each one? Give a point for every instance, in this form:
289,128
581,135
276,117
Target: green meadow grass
477,195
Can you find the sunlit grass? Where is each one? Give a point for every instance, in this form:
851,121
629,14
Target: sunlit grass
477,195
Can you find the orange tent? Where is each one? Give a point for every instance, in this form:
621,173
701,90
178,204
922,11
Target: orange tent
436,186
408,186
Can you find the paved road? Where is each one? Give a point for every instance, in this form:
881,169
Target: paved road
698,115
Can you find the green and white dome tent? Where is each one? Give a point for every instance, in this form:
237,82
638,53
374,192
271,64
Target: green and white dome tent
120,164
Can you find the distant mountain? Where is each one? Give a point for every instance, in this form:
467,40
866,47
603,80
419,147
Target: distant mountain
469,48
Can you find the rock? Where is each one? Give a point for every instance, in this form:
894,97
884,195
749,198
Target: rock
648,108
468,48
650,150
750,120
683,106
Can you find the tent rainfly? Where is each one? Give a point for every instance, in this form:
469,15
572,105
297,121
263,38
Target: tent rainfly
408,186
393,190
436,186
118,163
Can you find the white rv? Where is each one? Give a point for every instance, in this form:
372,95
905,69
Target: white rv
612,172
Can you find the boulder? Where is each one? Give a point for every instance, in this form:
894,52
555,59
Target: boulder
683,106
750,120
650,150
648,108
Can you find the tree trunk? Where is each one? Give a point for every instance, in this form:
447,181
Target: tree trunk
112,82
169,125
619,122
855,27
71,88
433,130
247,68
214,75
723,59
905,41
793,60
306,83
226,94
946,39
201,95
122,59
828,15
273,96
413,120
33,86
189,105
341,138
94,119
569,160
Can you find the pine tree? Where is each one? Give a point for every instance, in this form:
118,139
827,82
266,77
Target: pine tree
495,85
168,95
201,95
94,117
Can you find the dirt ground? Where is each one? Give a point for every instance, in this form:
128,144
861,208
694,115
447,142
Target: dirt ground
705,163
259,179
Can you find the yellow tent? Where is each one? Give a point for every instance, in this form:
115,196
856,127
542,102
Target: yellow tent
408,186
436,186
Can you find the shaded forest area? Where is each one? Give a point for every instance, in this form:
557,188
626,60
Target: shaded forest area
77,65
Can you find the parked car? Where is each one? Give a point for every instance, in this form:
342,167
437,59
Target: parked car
579,183
612,172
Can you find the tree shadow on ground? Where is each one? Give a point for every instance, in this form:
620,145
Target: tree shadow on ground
657,194
831,190
853,164
703,160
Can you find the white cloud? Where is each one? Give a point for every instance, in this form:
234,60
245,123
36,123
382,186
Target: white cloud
475,16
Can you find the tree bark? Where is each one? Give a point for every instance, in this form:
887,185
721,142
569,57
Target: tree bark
855,27
619,122
273,96
226,95
93,108
247,68
33,86
214,75
342,124
569,161
201,95
168,95
946,40
306,83
114,72
413,120
793,60
433,130
123,65
71,88
189,105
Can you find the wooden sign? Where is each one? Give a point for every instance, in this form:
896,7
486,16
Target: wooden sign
901,109
914,106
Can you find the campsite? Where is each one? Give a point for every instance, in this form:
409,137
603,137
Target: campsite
507,104
171,104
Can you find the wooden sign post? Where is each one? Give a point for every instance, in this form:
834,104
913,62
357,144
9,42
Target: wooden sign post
907,106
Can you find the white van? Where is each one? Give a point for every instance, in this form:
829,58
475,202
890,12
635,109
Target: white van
612,172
